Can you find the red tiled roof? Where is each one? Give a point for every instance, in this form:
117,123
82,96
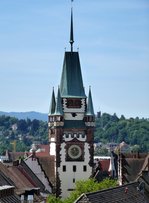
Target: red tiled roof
133,168
105,163
19,179
48,165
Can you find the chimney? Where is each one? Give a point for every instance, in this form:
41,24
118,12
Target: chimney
126,190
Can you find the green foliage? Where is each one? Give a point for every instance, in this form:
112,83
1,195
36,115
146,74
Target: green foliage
134,131
109,128
24,132
84,186
101,151
53,199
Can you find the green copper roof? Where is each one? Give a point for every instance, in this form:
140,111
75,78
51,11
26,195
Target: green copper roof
90,109
71,80
58,108
52,104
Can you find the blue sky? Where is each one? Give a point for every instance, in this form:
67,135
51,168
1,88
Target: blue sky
113,41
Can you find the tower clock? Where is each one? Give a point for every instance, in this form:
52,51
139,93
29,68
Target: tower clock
71,125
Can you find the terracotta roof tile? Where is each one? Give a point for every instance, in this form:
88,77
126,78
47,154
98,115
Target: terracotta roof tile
105,163
47,164
134,166
19,179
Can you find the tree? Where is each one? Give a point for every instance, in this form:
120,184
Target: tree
85,186
22,126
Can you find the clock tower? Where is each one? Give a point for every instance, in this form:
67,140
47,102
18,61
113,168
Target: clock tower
71,125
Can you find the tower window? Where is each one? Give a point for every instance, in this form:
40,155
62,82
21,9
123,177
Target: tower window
72,135
74,168
64,168
78,135
74,114
74,180
67,135
84,168
83,135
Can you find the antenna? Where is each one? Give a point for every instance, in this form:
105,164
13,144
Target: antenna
71,28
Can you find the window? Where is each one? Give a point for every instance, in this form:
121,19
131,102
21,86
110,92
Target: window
84,168
83,135
74,180
78,135
67,135
64,168
74,114
74,168
72,135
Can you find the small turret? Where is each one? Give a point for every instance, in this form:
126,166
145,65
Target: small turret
58,114
89,116
52,104
58,108
90,109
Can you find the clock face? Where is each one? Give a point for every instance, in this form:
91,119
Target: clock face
74,151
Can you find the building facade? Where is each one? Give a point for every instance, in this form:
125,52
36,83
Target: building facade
71,125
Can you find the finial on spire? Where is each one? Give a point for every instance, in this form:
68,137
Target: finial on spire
71,29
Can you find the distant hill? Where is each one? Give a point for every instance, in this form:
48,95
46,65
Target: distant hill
24,115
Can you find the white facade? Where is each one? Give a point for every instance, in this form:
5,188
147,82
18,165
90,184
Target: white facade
69,177
36,168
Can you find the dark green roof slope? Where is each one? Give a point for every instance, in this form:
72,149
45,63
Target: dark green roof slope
71,79
52,104
90,109
58,107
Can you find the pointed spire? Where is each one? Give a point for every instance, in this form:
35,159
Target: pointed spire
71,31
58,108
90,109
52,104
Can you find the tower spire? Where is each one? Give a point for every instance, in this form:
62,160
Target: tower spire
71,30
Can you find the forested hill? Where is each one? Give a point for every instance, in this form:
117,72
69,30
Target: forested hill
24,132
24,115
109,128
134,131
